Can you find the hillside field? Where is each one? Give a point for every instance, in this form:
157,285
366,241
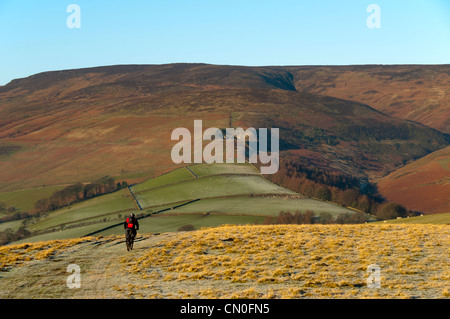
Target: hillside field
200,195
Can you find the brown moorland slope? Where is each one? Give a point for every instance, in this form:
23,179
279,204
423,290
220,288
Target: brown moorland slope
414,92
423,185
79,125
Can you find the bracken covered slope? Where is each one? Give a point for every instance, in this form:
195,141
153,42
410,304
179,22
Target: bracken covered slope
72,126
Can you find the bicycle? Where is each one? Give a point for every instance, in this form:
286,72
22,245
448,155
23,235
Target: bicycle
129,240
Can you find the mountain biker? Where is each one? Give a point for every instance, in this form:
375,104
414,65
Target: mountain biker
131,225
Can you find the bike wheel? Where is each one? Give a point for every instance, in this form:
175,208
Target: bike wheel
128,241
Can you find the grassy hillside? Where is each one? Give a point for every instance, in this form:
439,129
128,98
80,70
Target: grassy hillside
436,219
199,195
24,199
262,206
176,176
96,209
210,186
276,261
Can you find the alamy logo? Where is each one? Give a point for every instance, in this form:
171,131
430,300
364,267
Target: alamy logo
374,20
214,150
74,19
374,279
74,280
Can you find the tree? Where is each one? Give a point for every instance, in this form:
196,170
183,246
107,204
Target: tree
285,218
309,217
349,197
390,210
322,192
364,204
343,218
358,218
325,218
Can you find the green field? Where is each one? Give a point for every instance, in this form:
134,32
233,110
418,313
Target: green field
437,219
24,199
171,223
201,195
259,206
202,170
13,225
66,233
175,176
210,186
91,210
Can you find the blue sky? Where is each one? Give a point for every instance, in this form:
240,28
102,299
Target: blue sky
34,36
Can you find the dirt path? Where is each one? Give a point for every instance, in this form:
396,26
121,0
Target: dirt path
102,271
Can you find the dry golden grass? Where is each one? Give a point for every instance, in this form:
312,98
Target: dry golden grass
252,261
286,261
17,254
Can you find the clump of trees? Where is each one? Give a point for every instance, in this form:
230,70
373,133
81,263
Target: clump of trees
78,192
389,210
338,188
8,235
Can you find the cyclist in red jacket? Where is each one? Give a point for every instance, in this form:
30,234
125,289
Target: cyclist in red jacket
131,225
